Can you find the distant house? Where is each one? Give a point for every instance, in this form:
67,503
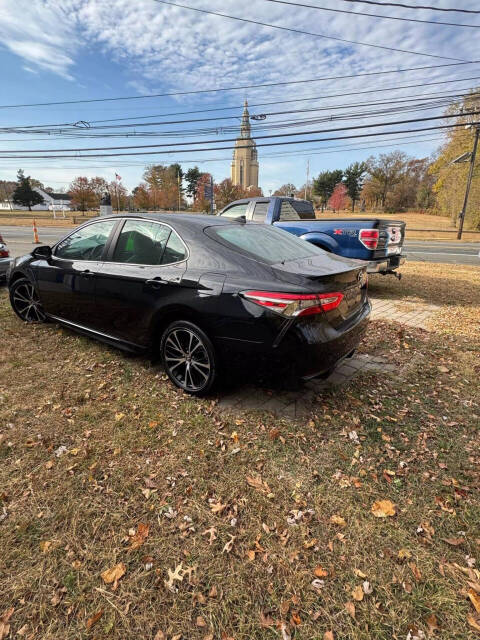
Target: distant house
52,202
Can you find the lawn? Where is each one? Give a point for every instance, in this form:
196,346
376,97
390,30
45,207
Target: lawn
131,511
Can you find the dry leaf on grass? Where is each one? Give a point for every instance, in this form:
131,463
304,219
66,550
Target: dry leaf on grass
160,635
45,546
473,621
454,542
338,520
475,599
114,574
350,607
415,570
258,484
212,533
383,508
357,593
217,507
139,537
4,622
201,622
432,624
94,619
229,545
320,572
328,635
176,574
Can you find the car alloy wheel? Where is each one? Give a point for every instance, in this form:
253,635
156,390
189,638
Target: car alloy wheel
188,357
25,301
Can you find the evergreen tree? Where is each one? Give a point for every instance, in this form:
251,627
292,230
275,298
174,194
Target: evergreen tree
324,185
353,179
192,177
24,195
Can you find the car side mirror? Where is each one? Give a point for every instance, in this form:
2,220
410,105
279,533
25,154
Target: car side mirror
42,253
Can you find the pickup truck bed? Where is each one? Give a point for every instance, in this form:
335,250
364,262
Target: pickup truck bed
376,241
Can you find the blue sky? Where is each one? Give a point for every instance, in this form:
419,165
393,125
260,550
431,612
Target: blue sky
54,50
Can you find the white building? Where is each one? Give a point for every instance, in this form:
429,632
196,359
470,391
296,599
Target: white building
51,202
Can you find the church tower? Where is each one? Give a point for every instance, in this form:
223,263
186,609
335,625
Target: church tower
245,159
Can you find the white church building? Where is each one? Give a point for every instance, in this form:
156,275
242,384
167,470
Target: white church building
51,202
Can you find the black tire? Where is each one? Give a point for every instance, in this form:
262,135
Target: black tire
189,358
25,301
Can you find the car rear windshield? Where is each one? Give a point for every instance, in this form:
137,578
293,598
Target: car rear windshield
266,244
296,210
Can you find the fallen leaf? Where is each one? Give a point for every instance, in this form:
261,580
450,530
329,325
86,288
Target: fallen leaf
251,554
328,635
4,622
258,484
320,572
48,465
367,587
217,507
176,574
415,570
383,508
454,542
432,624
338,520
359,573
139,537
443,369
94,619
475,599
45,546
229,545
404,554
114,573
212,532
357,593
160,635
472,621
201,622
350,607
266,620
273,434
119,416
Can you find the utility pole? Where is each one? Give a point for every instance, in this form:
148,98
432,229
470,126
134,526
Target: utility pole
179,195
469,182
308,178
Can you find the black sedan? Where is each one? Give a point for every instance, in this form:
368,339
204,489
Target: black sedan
205,293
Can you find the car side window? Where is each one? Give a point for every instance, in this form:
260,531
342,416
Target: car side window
141,242
236,211
260,211
87,243
287,212
175,250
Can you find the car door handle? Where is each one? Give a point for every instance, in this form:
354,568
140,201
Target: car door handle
155,283
87,273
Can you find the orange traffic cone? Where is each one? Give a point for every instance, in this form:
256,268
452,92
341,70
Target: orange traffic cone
35,233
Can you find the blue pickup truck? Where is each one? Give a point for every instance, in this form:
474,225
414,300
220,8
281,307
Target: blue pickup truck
376,241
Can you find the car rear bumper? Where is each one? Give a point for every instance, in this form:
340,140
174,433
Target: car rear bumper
385,265
307,348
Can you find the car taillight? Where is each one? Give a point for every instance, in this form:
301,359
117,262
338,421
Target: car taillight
369,238
4,253
295,304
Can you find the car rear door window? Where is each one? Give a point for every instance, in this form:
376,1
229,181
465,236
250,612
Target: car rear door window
263,243
141,242
87,243
260,211
236,211
175,251
296,210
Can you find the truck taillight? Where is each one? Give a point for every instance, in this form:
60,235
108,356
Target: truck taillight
4,253
295,304
369,238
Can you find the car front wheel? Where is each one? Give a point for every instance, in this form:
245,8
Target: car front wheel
25,301
188,357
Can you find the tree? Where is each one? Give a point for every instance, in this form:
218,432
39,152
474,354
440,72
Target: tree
118,195
7,187
201,203
164,185
338,198
24,195
227,192
288,189
86,194
324,185
141,197
384,173
353,178
192,177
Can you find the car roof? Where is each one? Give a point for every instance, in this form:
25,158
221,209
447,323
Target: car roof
178,219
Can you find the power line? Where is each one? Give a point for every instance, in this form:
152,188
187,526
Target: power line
302,32
282,135
264,144
374,15
412,6
237,88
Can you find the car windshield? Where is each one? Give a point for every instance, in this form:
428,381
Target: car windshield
263,243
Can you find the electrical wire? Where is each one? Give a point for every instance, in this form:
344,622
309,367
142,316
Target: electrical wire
277,135
373,15
237,88
302,32
412,6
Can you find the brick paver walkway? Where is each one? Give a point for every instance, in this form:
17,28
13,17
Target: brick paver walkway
296,403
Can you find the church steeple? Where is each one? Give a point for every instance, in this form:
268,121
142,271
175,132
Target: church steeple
245,129
245,159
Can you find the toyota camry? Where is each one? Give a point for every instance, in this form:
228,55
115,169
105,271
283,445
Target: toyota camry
203,293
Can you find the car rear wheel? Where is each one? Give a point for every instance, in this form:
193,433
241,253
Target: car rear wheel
188,357
25,301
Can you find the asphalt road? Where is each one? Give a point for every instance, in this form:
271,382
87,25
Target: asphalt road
19,241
